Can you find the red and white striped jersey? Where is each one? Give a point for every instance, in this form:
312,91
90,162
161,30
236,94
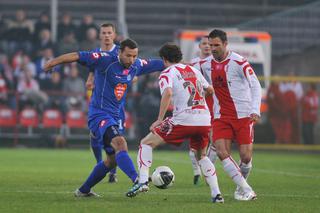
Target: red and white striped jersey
237,89
187,83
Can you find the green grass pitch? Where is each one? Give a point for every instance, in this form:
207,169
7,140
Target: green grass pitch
34,180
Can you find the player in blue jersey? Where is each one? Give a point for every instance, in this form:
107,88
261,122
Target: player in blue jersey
107,36
114,75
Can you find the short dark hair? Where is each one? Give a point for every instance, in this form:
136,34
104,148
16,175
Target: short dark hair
108,24
128,43
171,52
218,34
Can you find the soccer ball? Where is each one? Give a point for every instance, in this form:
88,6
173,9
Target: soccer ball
163,177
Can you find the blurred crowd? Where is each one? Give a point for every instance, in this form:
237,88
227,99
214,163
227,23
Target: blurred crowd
293,112
26,45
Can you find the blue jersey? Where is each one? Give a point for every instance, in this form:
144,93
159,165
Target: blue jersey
122,117
112,81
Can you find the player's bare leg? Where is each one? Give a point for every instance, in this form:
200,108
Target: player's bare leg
232,168
144,161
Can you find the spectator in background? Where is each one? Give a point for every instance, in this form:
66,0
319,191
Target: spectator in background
43,77
7,72
10,82
66,26
90,42
54,91
86,24
30,94
43,23
67,44
19,33
74,86
3,34
3,91
43,41
310,107
292,93
276,111
24,64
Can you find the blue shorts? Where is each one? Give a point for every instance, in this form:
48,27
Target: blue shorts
103,130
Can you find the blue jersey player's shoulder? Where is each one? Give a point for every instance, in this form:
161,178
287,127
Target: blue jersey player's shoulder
114,50
96,59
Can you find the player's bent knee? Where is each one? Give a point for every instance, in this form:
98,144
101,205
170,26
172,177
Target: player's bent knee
222,154
119,144
245,159
110,162
152,140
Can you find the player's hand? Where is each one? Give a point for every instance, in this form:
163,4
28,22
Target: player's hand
89,84
90,81
155,124
48,66
135,79
254,117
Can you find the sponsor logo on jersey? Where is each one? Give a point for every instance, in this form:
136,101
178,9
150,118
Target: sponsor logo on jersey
103,122
125,72
96,55
120,90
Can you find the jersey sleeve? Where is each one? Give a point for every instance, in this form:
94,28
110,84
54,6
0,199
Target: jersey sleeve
93,60
254,85
165,81
150,66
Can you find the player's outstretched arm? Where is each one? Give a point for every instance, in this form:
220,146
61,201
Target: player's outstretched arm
164,104
65,58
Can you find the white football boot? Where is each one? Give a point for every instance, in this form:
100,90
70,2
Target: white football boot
78,193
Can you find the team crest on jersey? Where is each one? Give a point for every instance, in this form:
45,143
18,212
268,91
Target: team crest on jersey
120,90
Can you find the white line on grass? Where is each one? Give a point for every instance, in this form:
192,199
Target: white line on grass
165,193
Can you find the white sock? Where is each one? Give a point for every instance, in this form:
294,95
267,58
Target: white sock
209,172
195,164
212,154
245,169
144,160
232,169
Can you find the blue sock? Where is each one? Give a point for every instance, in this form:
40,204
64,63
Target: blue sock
97,174
113,171
126,165
97,152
